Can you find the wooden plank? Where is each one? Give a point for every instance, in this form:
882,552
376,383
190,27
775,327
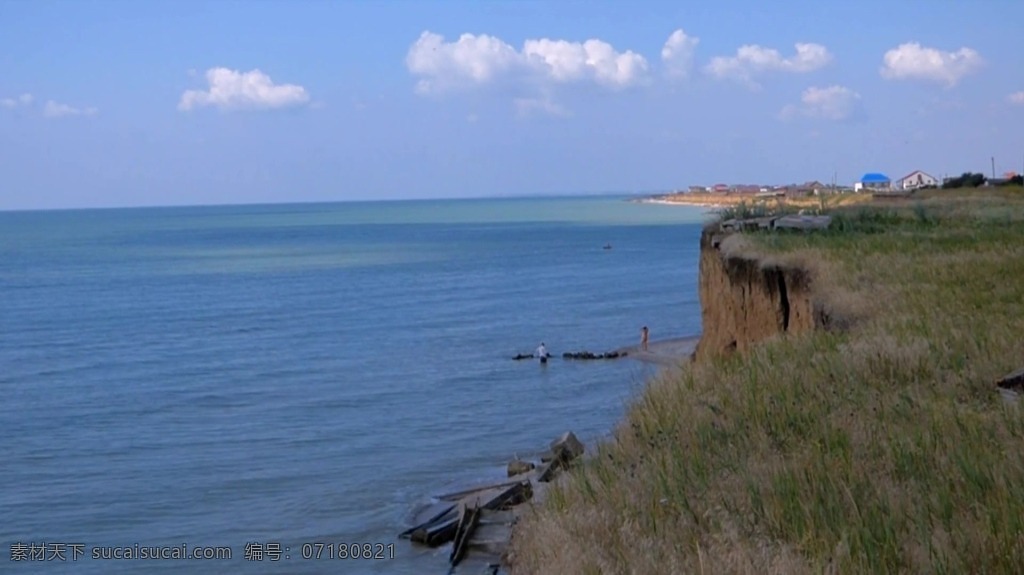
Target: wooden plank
436,535
468,518
458,495
501,498
445,514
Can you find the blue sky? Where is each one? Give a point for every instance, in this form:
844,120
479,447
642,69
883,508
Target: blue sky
165,103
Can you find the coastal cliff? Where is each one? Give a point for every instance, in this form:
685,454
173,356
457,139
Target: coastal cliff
881,447
745,300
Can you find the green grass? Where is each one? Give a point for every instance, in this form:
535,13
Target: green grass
881,449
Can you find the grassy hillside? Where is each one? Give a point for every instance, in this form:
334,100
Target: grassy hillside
883,448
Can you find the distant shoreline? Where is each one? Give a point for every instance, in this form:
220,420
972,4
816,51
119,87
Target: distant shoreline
706,200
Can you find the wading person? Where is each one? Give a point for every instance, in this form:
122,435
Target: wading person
542,353
644,335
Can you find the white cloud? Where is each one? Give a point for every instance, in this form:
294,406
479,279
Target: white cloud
56,110
751,60
1016,98
22,100
677,54
472,59
911,61
477,60
831,103
234,90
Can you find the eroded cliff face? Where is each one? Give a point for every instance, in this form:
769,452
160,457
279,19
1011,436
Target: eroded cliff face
744,301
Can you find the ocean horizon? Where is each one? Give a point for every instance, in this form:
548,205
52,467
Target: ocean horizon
293,374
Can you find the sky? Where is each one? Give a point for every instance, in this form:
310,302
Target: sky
129,103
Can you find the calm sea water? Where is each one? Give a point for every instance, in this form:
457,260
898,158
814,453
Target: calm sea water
216,376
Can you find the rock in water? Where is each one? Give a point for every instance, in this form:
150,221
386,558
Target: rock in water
518,467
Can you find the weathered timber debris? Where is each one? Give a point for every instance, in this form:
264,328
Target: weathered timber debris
468,519
520,356
478,521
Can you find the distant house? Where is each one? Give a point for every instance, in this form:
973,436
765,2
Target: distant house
721,188
873,182
916,179
697,189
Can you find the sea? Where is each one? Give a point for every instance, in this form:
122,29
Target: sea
280,382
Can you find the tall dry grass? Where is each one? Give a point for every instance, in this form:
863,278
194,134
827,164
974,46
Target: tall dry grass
882,449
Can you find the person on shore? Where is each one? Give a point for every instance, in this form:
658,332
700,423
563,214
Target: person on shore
542,353
644,336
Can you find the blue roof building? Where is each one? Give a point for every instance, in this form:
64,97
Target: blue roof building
875,178
874,181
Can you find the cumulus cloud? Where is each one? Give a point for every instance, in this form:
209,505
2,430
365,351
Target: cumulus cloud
22,100
911,61
56,110
474,60
751,60
235,90
1016,98
677,54
831,103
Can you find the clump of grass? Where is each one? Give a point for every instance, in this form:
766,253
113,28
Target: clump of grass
878,450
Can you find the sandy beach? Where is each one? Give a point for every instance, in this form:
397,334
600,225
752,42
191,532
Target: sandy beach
664,352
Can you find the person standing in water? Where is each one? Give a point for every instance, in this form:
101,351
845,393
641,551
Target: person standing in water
644,335
542,353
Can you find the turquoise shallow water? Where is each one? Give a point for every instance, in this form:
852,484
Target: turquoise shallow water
292,374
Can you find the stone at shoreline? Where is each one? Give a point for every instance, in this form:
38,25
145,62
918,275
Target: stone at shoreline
591,355
567,447
518,467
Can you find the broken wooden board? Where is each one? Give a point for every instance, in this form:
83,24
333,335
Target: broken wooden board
468,519
442,513
487,545
436,533
458,495
443,528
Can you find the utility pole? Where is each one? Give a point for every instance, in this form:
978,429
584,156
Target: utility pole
993,167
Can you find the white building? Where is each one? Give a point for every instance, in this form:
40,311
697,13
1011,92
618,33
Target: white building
915,180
